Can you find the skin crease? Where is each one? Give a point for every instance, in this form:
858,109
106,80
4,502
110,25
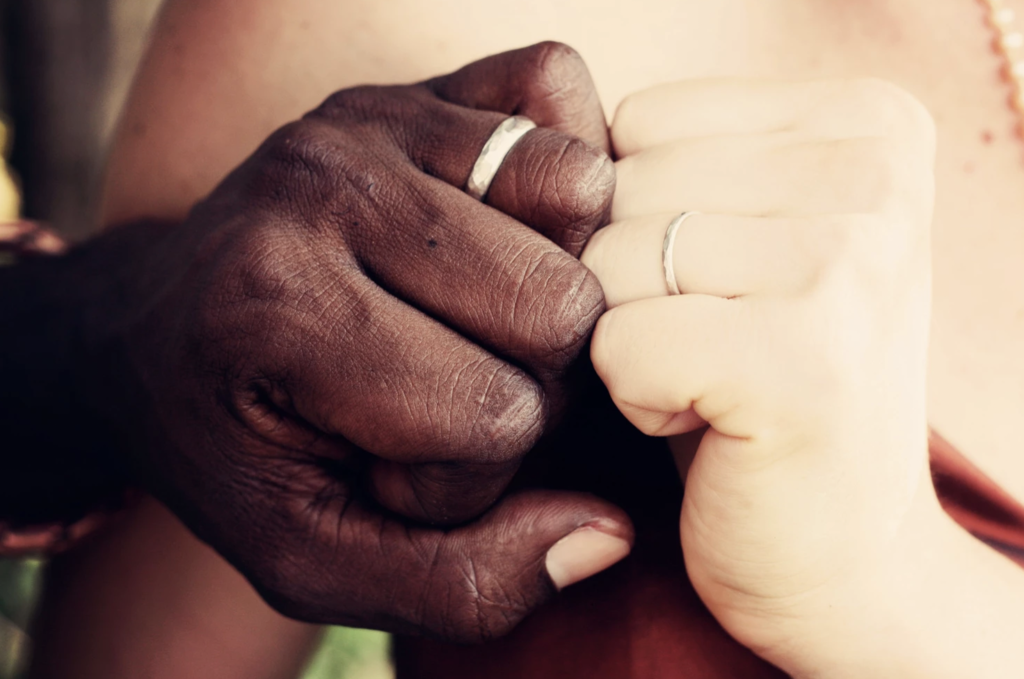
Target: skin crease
936,49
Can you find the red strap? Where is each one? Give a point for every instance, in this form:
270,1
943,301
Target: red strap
975,501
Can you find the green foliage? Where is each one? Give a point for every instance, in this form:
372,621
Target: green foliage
19,584
19,587
347,653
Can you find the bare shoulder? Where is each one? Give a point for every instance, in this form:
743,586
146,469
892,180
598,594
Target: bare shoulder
220,75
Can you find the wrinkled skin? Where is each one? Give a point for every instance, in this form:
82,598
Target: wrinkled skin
341,359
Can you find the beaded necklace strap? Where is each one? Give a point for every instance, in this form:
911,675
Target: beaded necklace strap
1008,43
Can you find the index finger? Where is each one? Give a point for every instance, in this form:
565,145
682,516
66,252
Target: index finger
547,82
735,106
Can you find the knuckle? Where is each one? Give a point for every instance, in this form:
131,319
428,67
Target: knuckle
296,166
628,121
248,290
357,105
874,174
875,250
268,262
560,303
553,65
497,416
602,349
898,113
582,191
563,187
840,239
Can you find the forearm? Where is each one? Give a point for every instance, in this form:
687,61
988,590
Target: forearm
947,605
61,374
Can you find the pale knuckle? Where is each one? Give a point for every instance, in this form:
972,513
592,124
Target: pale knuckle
604,349
628,122
874,175
840,244
598,255
898,109
874,252
648,426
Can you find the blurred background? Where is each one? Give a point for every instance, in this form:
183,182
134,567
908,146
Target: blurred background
65,69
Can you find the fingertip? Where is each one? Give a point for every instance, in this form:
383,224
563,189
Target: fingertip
587,551
602,343
651,422
559,185
622,131
682,423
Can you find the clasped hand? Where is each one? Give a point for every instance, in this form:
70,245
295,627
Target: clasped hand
345,357
800,335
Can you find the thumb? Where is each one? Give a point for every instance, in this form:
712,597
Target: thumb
468,584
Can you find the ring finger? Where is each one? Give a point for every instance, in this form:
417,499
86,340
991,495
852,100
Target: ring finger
722,255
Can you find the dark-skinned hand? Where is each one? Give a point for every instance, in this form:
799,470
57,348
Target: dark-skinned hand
340,359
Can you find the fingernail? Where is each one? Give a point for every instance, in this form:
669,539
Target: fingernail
582,553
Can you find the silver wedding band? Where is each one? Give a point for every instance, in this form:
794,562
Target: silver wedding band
493,154
667,249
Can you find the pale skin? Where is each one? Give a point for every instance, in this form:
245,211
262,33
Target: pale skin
809,518
214,61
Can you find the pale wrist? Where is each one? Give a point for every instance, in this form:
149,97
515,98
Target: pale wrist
941,604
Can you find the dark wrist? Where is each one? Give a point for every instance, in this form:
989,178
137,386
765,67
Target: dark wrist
65,377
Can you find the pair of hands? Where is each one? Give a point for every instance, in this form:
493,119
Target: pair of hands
347,357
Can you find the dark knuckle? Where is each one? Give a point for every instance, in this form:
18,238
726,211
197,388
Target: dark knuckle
508,414
584,188
268,262
555,62
567,313
354,105
294,167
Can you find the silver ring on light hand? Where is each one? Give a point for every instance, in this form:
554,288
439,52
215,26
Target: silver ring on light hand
667,249
493,154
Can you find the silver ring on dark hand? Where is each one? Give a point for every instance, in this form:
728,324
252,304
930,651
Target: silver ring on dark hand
493,154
